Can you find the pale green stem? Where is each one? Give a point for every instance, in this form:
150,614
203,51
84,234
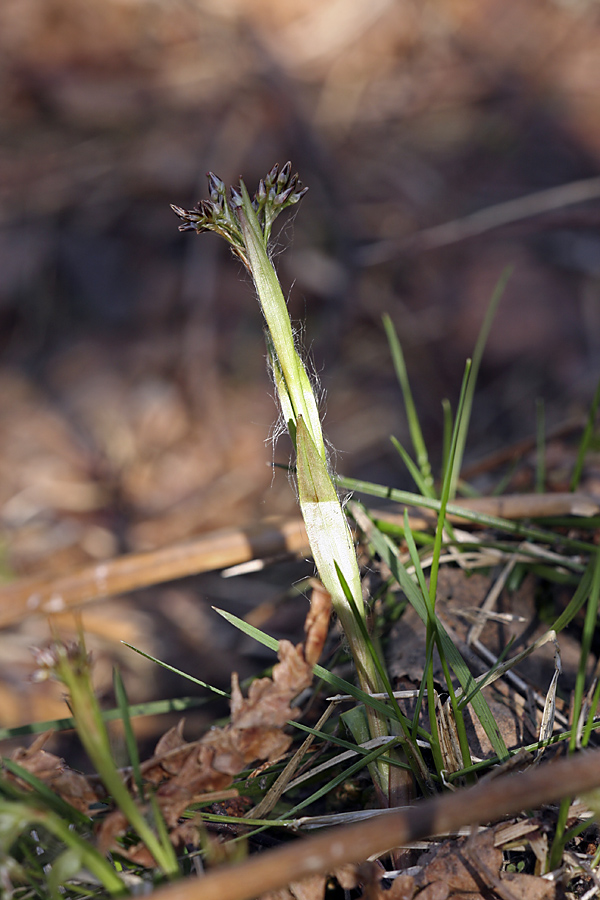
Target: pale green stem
326,524
276,315
94,737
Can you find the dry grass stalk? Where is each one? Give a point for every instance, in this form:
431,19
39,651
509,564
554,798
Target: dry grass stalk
230,547
218,550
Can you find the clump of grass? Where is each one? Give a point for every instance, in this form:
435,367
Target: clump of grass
246,224
384,739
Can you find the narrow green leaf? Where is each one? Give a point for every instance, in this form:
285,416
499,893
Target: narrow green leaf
577,601
506,525
347,745
477,357
389,554
585,440
185,675
589,629
414,556
414,425
66,865
339,684
130,739
446,434
16,817
414,471
447,486
339,779
155,708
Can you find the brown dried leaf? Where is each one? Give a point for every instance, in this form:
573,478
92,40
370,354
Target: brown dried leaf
170,754
528,887
112,826
437,890
312,888
348,876
317,623
172,739
71,786
184,770
456,863
402,888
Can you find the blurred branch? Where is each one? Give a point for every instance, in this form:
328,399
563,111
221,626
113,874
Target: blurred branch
484,220
227,547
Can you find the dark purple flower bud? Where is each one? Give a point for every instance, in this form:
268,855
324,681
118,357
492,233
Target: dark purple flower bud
272,176
283,177
236,197
261,194
282,197
297,195
179,211
216,187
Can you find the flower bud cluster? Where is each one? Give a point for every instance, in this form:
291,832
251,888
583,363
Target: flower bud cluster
51,660
277,191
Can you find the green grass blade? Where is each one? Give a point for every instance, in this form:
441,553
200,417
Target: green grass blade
575,604
464,489
389,554
414,556
340,684
355,721
586,438
493,673
448,424
162,832
347,745
500,488
433,627
477,356
414,426
398,531
589,628
339,779
589,725
591,617
433,639
413,470
130,740
506,525
16,817
447,485
417,763
185,675
155,708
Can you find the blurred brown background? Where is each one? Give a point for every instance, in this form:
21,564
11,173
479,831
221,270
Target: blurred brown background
134,403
